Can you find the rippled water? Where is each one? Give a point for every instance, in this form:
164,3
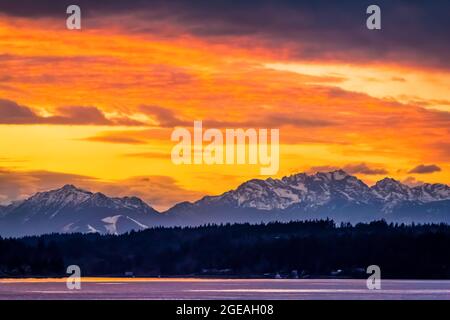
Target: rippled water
148,288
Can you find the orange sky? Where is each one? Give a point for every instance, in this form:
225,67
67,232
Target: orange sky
96,108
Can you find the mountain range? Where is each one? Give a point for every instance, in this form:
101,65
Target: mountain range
336,195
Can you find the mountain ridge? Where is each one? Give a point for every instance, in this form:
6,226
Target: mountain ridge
385,189
334,194
72,209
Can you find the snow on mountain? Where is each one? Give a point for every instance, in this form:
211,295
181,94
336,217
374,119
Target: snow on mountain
112,224
431,192
91,229
50,203
314,190
321,188
392,190
70,209
336,195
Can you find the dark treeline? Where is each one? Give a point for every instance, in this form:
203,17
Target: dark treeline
303,249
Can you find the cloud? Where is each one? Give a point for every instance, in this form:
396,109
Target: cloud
115,138
322,169
271,120
154,135
266,119
359,168
412,182
165,117
363,168
423,169
13,113
412,31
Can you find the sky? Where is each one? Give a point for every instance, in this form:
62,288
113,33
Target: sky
96,107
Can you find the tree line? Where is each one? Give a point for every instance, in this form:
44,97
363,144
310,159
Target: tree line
296,249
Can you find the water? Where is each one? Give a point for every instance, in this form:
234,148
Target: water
150,288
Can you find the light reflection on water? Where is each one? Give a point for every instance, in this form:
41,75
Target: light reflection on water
187,288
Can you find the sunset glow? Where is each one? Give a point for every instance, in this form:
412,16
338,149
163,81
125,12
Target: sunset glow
96,107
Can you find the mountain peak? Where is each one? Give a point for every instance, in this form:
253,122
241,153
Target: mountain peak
393,190
71,209
389,180
336,175
339,174
390,183
71,188
296,189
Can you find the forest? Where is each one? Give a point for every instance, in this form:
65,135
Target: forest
298,249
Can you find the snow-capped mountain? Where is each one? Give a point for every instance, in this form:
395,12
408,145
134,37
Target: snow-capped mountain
70,209
336,195
431,192
321,188
313,190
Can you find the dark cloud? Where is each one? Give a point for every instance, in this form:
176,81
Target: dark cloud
270,120
423,168
115,138
412,182
413,31
165,117
13,113
363,168
78,115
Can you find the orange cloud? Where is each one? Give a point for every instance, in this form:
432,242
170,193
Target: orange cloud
13,113
165,81
113,138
